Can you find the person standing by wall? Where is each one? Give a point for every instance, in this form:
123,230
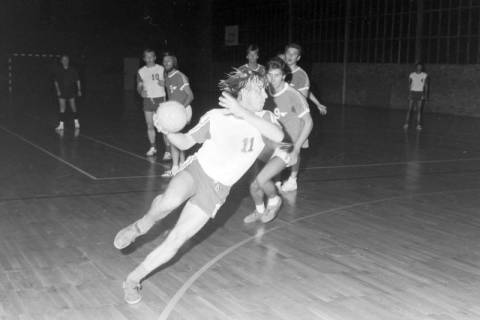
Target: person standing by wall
418,84
67,85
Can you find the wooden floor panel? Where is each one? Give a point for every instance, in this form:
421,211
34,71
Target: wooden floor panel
385,225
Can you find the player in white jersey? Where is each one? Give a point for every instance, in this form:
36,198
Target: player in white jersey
418,86
232,139
151,86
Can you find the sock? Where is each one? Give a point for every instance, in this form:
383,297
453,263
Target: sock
273,201
144,224
260,208
152,145
138,274
293,176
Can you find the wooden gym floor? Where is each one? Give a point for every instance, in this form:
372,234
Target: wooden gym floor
385,225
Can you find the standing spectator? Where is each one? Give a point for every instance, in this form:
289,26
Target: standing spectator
151,86
178,89
67,84
418,86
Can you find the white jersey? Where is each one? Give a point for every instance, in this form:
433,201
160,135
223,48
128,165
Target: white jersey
149,77
230,144
418,81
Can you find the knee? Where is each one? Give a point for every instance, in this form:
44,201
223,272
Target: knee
254,186
165,203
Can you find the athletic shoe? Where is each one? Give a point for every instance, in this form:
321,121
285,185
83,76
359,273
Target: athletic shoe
131,292
171,173
405,126
126,236
60,126
419,127
77,124
252,217
167,156
151,152
289,185
271,212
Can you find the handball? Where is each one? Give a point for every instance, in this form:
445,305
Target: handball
170,117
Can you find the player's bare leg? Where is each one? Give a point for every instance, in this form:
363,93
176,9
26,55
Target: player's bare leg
180,188
62,103
73,107
420,105
409,112
191,220
167,155
291,183
175,153
151,133
263,186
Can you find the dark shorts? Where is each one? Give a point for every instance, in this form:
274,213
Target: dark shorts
416,96
68,94
151,104
209,195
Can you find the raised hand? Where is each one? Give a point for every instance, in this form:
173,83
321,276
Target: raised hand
230,103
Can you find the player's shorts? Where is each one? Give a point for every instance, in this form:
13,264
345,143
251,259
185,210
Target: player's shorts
151,104
67,93
283,155
416,96
209,195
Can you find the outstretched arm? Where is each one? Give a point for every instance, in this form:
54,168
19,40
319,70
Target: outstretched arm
321,108
266,128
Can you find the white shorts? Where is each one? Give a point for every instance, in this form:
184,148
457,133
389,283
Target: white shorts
282,155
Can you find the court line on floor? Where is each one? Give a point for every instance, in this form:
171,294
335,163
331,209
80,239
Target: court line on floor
89,175
385,164
188,284
112,147
129,177
122,150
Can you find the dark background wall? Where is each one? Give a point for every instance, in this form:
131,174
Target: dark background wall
385,38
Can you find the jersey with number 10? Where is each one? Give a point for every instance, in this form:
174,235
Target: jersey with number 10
230,144
149,77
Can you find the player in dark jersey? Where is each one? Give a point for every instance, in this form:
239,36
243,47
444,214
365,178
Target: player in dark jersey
178,89
67,84
252,58
291,109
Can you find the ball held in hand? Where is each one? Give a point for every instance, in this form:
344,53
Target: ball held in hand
170,116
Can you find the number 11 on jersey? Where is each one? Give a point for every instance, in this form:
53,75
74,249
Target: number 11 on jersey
248,144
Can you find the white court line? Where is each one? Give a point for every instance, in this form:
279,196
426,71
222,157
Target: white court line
129,177
188,284
121,150
49,153
385,164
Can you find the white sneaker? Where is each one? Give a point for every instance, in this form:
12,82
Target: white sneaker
151,152
77,124
252,217
60,126
289,185
131,292
167,156
171,173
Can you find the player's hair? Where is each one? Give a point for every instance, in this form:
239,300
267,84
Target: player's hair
174,58
419,63
294,46
149,50
278,63
240,79
253,47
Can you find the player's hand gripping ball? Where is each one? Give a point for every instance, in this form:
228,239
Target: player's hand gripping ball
170,117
